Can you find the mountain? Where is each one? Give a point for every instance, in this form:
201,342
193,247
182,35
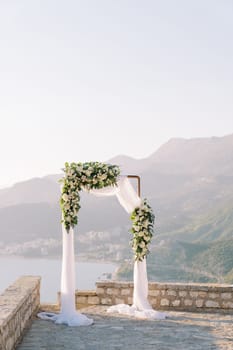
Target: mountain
130,166
27,221
188,182
206,156
36,190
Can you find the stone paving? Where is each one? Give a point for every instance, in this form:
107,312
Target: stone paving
180,331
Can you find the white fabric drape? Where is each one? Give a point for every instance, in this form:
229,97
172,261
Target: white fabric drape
127,196
124,191
141,308
68,314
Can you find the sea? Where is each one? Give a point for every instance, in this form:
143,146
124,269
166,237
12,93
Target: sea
86,274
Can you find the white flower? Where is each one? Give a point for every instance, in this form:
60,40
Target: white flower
65,197
70,172
103,177
145,208
146,223
142,244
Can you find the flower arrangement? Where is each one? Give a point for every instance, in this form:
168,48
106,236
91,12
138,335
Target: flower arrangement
91,175
142,229
95,175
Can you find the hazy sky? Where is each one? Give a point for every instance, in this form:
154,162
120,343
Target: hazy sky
91,79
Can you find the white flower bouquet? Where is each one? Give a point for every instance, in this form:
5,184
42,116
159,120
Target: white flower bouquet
142,229
91,175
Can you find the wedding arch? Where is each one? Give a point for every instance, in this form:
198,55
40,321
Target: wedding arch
103,179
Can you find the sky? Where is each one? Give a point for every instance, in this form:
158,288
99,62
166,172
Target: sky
90,80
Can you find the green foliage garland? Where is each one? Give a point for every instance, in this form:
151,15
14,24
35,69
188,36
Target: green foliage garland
142,229
91,175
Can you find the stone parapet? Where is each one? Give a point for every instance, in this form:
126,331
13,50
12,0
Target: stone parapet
18,303
83,298
113,292
191,296
163,296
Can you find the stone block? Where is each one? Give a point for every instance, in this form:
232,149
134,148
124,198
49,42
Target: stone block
100,291
188,302
212,304
125,291
226,295
202,294
105,301
199,303
227,305
120,301
153,301
93,300
171,292
213,295
154,293
164,302
193,294
109,291
182,293
130,301
176,302
81,300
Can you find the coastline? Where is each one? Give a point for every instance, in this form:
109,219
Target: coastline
58,257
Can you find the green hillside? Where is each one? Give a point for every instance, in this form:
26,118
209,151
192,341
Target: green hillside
188,262
200,252
214,225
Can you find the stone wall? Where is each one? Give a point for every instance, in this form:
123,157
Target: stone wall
83,298
163,296
18,303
